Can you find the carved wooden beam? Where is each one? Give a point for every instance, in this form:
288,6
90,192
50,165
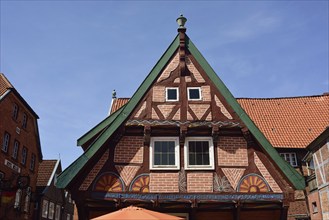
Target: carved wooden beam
215,134
182,136
147,135
247,135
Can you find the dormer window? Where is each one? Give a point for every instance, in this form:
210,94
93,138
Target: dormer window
194,93
172,94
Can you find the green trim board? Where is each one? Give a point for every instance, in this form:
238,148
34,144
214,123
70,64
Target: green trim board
98,128
115,120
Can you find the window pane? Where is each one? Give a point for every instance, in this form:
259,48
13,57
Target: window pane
194,93
164,152
171,94
157,159
172,159
199,153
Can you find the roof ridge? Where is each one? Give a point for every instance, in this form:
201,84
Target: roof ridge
288,97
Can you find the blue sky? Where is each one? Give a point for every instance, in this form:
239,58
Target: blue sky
66,57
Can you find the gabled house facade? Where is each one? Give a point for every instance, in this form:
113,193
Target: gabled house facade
20,153
52,202
318,178
181,145
292,125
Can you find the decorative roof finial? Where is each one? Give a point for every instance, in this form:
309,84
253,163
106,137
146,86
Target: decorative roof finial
114,94
181,22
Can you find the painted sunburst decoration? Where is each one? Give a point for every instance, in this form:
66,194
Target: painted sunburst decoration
109,182
253,183
140,183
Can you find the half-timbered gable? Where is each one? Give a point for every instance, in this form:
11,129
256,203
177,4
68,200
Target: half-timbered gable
181,144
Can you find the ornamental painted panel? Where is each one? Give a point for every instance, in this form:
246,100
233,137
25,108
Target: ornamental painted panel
140,183
233,175
253,183
108,182
127,173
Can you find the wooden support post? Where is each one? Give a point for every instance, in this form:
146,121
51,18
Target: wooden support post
147,135
237,211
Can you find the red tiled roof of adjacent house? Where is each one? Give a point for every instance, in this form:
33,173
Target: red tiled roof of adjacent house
118,103
4,84
45,171
289,122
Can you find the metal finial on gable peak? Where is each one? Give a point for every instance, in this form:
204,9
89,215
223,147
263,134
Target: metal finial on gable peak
182,53
114,94
181,22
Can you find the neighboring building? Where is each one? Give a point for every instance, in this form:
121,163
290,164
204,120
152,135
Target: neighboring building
20,153
318,180
182,145
291,124
52,202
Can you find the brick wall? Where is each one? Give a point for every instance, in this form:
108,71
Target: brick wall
164,182
94,171
200,182
166,109
199,110
267,176
206,95
159,94
313,197
194,71
232,151
324,200
129,150
170,67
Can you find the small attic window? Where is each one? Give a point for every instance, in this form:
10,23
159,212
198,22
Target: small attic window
172,94
194,93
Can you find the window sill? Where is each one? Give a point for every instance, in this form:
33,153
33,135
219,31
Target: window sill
200,168
165,168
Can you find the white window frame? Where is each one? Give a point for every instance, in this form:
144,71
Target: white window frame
188,93
164,167
172,100
51,210
291,155
58,212
45,204
211,165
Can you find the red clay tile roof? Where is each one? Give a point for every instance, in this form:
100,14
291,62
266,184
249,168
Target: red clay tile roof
289,122
46,168
4,84
118,103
